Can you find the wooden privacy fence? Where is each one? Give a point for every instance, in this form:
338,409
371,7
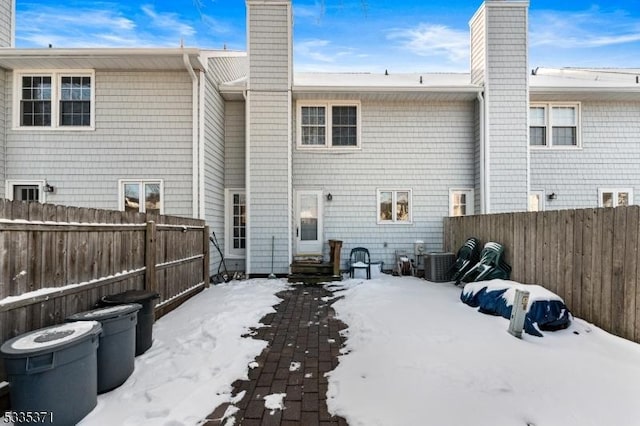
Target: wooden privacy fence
588,257
57,260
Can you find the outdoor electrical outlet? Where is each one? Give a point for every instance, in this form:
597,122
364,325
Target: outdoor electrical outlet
518,312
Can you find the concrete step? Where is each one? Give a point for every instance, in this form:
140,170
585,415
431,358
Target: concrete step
313,278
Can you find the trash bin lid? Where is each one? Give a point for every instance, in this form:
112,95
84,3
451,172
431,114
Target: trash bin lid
107,313
50,339
130,296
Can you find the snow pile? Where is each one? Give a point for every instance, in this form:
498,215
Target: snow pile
416,355
274,402
544,311
197,353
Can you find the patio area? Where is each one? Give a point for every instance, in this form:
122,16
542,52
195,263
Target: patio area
304,341
264,352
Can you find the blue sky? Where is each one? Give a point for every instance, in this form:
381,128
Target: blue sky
343,35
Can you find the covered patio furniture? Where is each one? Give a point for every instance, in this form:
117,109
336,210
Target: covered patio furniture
359,258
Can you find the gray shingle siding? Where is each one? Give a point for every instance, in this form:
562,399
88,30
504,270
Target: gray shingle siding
268,180
3,129
6,22
214,163
268,122
269,45
234,150
426,147
609,158
508,103
143,131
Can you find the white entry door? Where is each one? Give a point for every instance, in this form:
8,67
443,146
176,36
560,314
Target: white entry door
308,222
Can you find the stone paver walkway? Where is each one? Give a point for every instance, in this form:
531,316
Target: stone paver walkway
304,343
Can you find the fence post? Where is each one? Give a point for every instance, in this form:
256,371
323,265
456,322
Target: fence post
205,259
150,283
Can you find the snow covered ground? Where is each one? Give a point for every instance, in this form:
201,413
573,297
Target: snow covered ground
197,353
415,355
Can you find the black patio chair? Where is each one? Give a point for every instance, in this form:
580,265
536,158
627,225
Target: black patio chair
359,258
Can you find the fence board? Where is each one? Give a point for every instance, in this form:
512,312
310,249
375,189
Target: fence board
589,257
576,281
587,298
630,273
617,279
49,249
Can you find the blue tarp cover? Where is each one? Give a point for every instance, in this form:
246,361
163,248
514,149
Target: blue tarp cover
547,315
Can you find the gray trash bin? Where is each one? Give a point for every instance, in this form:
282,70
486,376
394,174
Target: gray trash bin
53,372
146,315
116,353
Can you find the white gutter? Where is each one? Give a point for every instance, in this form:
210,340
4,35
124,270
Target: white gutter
483,183
195,138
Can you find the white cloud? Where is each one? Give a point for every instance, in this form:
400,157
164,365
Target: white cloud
433,40
103,26
168,22
318,50
591,28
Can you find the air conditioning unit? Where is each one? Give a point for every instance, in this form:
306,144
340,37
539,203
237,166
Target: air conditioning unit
436,266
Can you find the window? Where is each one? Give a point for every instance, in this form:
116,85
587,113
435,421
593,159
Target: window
61,99
25,190
615,197
554,125
236,220
536,201
329,125
394,206
141,196
460,202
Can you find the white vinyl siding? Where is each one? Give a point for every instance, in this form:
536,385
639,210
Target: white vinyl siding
506,82
608,158
427,147
143,129
554,125
6,22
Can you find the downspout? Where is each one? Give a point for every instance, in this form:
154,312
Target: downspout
481,118
247,180
201,196
194,143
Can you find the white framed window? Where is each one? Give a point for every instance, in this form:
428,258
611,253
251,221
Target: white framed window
328,125
461,202
394,206
143,196
554,125
25,190
614,197
236,223
536,201
61,99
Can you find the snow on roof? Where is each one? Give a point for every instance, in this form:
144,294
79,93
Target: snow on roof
585,78
383,80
